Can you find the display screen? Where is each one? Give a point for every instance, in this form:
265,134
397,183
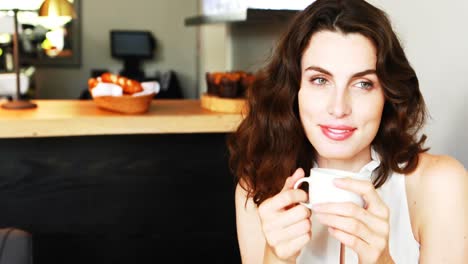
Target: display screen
138,44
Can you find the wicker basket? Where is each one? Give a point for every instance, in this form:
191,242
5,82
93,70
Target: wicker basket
125,104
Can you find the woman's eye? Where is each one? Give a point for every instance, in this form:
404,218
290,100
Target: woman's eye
319,81
364,85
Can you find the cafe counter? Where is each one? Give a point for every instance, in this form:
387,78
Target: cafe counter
93,186
60,118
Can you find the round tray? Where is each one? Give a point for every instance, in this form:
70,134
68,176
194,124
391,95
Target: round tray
225,105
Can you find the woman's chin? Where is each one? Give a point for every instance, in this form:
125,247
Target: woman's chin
335,156
336,152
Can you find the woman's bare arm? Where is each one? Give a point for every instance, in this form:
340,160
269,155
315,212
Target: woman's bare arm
249,231
443,211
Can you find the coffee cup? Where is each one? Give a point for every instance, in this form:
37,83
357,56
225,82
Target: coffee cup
323,190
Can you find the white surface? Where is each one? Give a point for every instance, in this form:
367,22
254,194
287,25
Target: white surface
278,4
107,89
8,84
217,7
20,4
148,88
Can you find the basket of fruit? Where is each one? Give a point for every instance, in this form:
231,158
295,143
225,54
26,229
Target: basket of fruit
120,94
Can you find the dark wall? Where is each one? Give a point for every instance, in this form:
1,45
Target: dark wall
121,199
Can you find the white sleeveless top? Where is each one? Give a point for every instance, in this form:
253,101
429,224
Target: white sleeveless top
325,249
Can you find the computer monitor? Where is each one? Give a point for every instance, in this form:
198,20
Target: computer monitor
132,46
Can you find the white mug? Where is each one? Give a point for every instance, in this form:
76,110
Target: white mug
322,189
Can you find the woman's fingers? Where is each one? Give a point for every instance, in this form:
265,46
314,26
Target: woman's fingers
286,230
353,242
289,183
275,205
369,253
286,224
284,199
365,189
290,233
293,215
349,225
292,248
354,211
365,230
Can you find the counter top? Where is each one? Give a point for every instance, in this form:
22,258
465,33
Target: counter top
58,118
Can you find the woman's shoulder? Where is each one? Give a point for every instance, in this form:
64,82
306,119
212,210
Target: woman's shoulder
434,170
437,198
438,181
436,174
242,196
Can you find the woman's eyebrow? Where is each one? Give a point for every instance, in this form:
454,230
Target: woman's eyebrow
319,69
362,73
357,74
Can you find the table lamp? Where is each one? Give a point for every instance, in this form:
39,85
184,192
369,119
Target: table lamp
49,8
57,8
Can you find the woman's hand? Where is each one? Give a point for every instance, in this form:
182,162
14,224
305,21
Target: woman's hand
286,223
365,230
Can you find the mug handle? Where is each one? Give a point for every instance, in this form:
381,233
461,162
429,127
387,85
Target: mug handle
296,185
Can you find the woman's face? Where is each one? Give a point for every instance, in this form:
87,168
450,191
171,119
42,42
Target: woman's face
340,98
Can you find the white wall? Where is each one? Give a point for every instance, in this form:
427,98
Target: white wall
254,53
435,37
176,48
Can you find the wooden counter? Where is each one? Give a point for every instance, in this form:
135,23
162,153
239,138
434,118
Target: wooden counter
57,118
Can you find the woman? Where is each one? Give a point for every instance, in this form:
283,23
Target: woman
339,93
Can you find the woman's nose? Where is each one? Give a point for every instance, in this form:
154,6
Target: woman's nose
339,104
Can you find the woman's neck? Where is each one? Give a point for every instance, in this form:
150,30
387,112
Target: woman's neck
353,164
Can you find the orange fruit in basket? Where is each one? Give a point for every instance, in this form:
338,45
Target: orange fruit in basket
122,81
92,82
129,86
109,78
132,86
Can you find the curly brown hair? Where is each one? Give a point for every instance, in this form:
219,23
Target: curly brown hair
270,142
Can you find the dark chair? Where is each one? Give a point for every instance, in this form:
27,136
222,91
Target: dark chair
15,246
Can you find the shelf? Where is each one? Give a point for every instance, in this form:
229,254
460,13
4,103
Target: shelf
251,15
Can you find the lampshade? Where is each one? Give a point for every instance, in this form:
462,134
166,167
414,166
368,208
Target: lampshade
57,8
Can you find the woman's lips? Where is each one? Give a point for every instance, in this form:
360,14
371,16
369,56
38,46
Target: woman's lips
337,133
